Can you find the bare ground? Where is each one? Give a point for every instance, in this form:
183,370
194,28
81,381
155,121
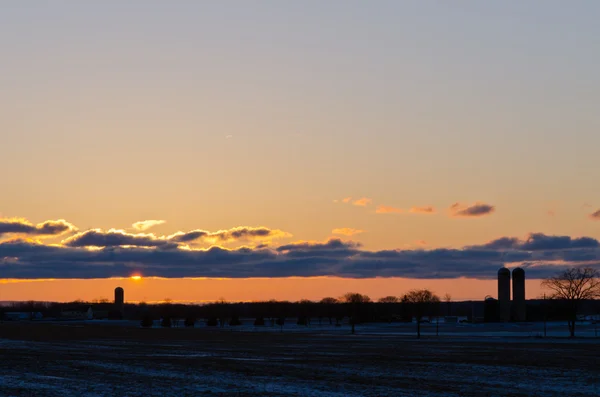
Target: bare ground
95,360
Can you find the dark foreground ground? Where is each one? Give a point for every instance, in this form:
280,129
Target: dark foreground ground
96,360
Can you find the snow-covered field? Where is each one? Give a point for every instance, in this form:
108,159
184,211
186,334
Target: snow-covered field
380,360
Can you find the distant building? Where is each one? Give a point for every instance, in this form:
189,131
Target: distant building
78,313
451,319
22,316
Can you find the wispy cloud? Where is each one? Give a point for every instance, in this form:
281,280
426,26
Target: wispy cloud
476,210
595,215
241,233
145,225
346,199
248,233
386,209
346,231
362,202
423,210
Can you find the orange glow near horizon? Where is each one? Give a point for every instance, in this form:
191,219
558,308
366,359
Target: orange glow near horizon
156,289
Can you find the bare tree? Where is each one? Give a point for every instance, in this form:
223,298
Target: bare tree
574,285
328,303
389,299
448,300
423,302
354,301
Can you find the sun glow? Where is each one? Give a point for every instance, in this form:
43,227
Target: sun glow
136,277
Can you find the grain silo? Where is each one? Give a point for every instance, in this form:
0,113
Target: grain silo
504,294
119,299
518,288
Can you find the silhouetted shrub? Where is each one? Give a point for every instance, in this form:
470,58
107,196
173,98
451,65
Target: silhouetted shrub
166,322
189,322
235,321
302,321
212,322
146,321
280,321
260,321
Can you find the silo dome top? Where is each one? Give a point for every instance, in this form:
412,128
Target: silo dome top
503,272
518,271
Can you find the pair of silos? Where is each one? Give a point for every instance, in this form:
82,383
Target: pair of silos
518,294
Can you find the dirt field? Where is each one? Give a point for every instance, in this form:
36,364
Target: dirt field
94,360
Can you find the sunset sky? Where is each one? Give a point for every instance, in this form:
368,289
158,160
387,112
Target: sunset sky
263,149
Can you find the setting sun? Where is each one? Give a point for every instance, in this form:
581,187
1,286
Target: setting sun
136,277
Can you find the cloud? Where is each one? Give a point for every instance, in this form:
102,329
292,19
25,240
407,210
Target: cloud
116,238
502,243
241,233
347,231
540,242
145,225
475,210
97,253
362,202
423,210
346,200
386,209
595,215
186,237
248,233
547,255
23,227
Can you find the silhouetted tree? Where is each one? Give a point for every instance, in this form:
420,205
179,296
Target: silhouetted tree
166,322
189,321
281,322
423,302
448,300
354,301
385,308
234,321
574,285
212,321
304,312
260,321
329,306
222,308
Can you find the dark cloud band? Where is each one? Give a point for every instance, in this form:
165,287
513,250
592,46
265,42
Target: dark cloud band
539,254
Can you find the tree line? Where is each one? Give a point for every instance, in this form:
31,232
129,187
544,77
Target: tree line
570,292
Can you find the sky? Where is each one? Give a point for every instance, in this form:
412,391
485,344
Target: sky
308,146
